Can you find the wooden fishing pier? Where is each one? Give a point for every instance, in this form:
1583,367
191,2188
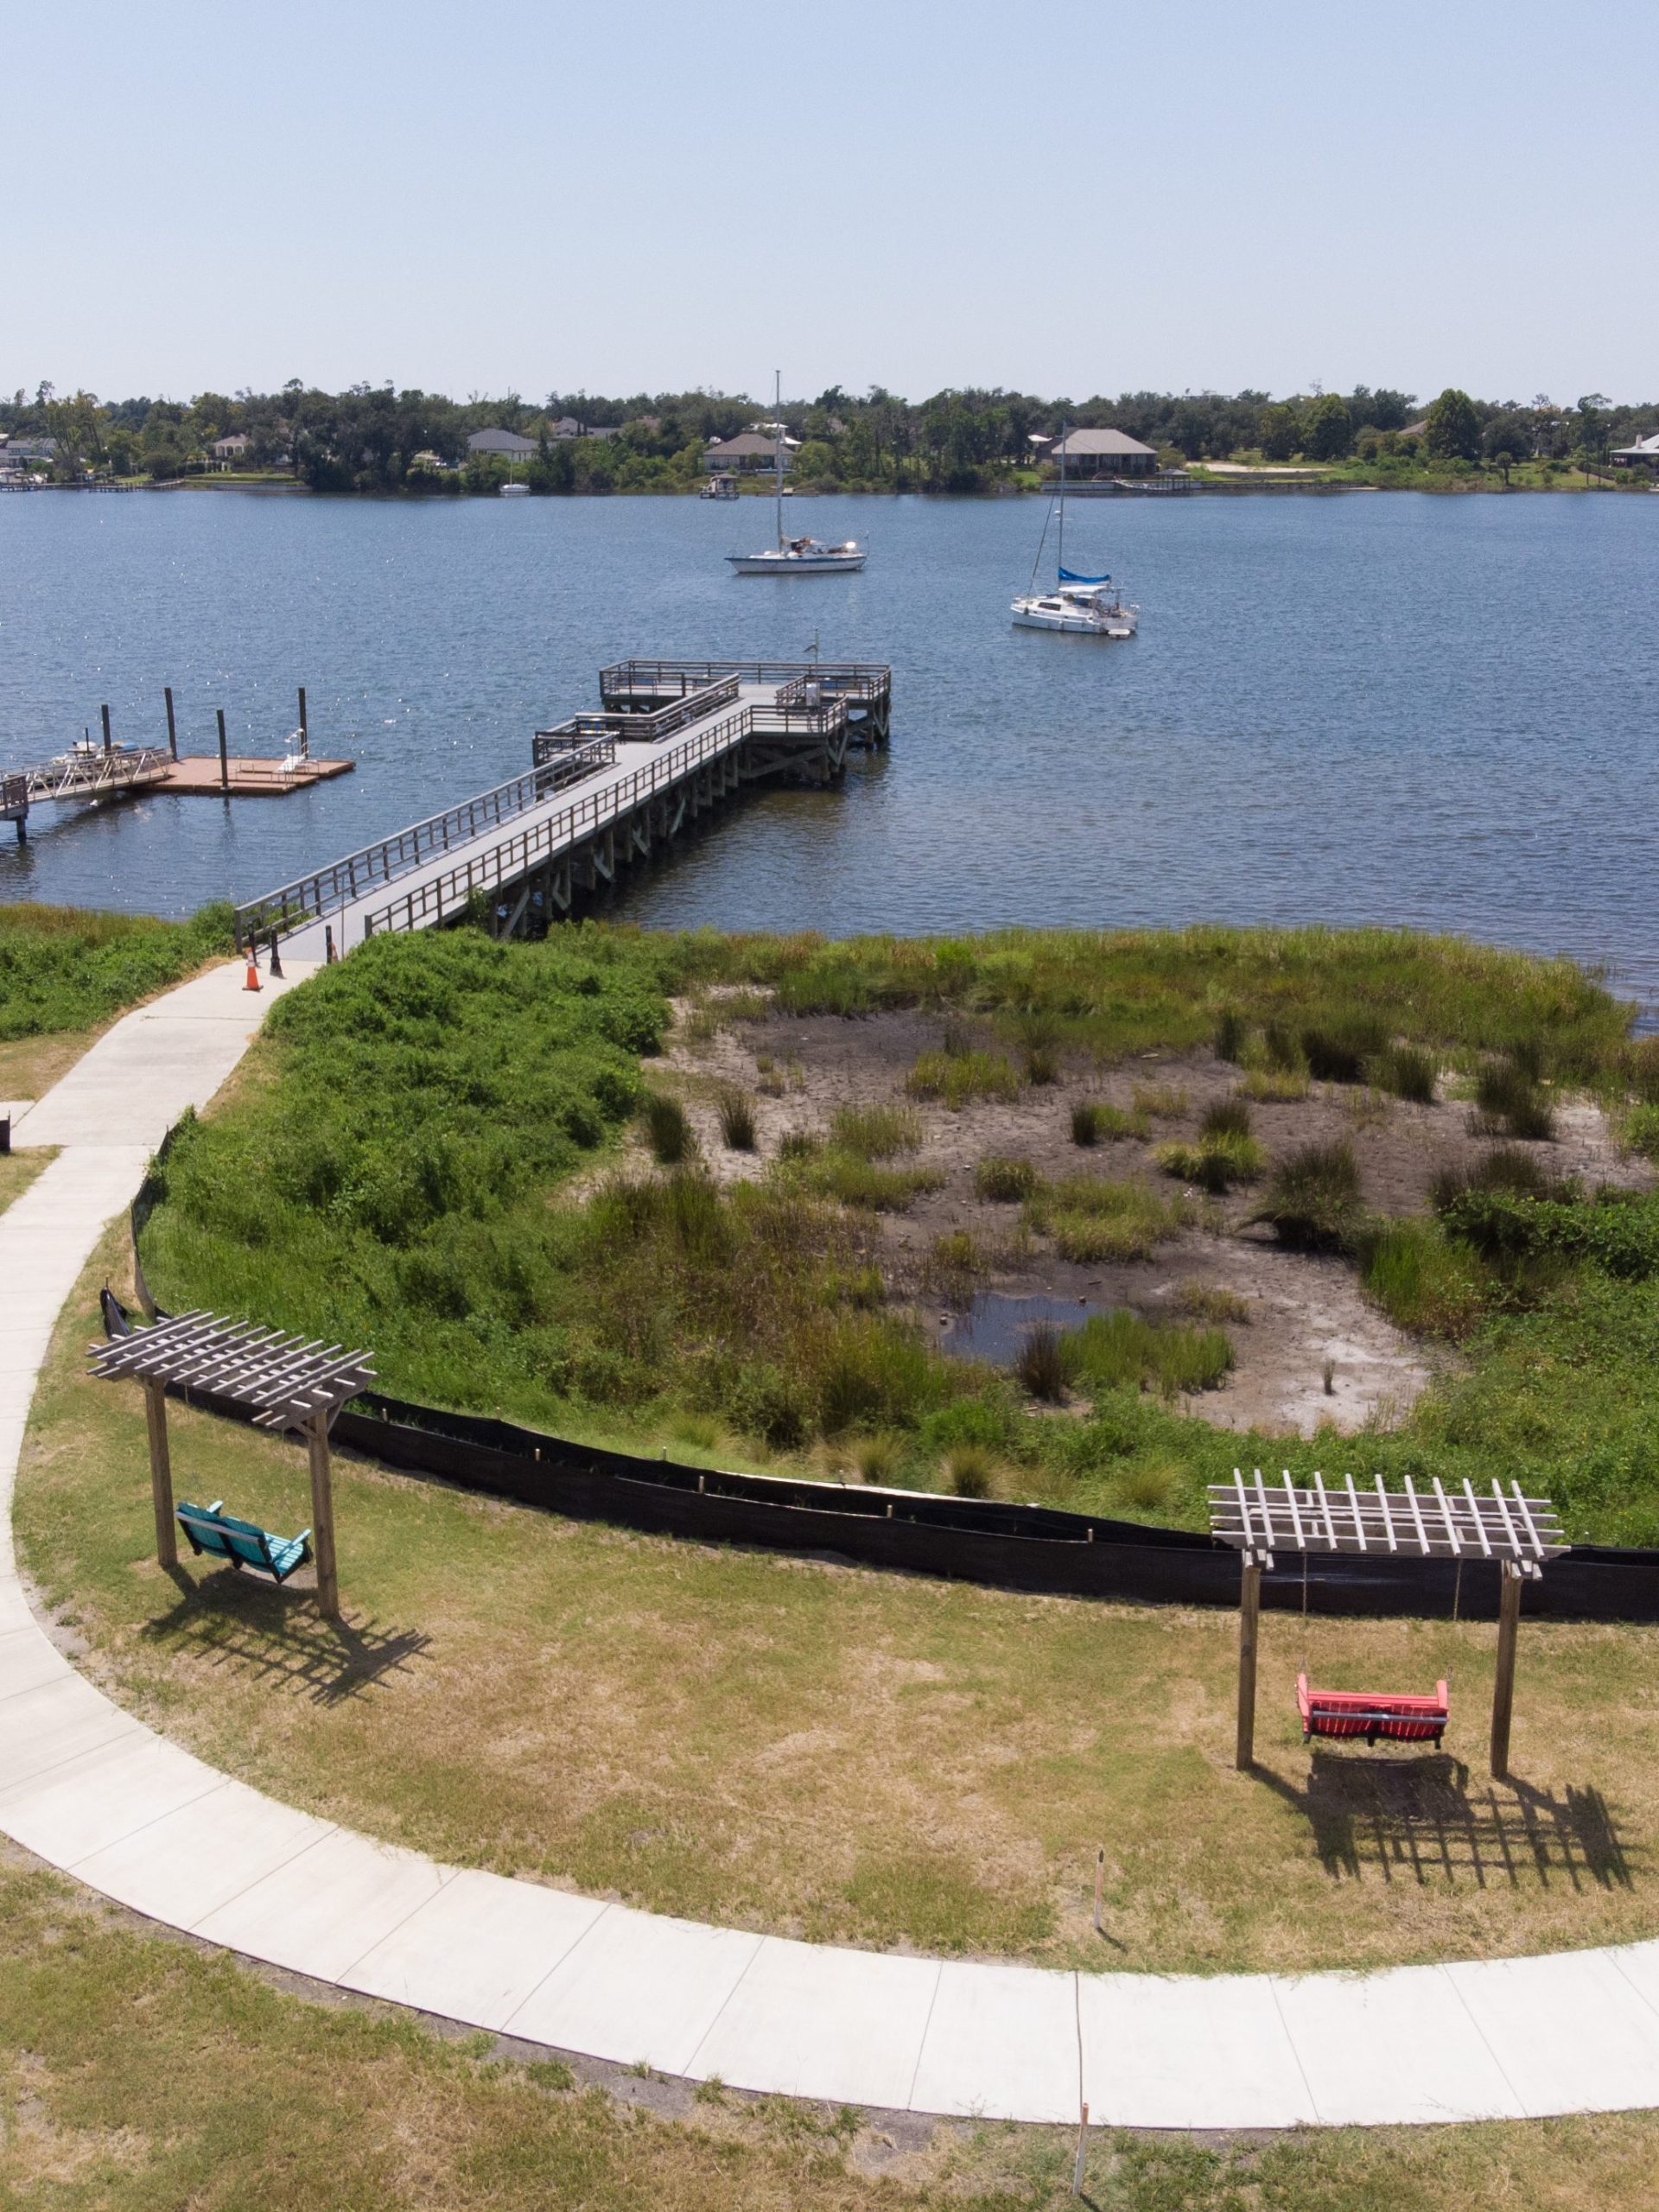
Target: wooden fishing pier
673,739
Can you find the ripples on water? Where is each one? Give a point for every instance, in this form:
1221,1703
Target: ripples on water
1366,707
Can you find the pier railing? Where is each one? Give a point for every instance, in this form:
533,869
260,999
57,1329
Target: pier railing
327,889
840,679
442,896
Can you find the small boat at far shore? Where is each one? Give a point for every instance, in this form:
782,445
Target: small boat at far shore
1086,607
796,556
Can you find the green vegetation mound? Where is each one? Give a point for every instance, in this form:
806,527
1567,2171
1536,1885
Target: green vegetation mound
64,969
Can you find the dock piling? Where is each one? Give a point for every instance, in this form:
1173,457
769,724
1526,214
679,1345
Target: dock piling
224,755
109,742
172,726
305,729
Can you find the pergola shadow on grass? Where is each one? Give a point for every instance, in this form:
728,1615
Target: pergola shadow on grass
248,1627
1419,1819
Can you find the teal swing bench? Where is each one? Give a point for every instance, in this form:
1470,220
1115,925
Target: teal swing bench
244,1543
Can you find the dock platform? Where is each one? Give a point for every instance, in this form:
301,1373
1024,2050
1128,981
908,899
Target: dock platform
673,739
198,775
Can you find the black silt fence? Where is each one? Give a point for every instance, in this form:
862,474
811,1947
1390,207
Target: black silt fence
1026,1548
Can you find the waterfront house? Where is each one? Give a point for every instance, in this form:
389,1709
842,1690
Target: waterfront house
749,454
1104,453
507,443
230,452
1645,454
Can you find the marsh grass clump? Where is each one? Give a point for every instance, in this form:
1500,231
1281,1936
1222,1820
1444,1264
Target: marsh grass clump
1004,1179
1273,1086
1095,1122
953,1267
864,1183
1091,1220
1121,1349
1280,1050
1214,1164
736,1111
969,1470
1161,1102
876,1457
1041,1037
1226,1117
1041,1364
1231,1032
1210,1301
1509,1103
668,1129
956,1077
1312,1200
877,1132
1341,1052
1641,1131
1408,1072
799,1144
1504,1169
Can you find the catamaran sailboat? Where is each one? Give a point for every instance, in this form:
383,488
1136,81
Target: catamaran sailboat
795,557
1087,607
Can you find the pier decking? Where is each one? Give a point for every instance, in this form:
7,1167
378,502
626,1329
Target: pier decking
674,739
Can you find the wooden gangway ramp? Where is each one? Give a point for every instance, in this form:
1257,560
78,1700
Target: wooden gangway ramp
673,739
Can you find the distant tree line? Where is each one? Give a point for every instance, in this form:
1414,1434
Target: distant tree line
374,439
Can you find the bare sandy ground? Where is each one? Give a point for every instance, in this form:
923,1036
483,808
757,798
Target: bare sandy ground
1314,1351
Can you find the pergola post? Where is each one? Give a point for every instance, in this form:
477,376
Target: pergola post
1250,1615
322,1515
161,1472
1508,1622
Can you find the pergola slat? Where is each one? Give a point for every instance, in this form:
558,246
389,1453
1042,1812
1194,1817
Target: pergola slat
1520,1530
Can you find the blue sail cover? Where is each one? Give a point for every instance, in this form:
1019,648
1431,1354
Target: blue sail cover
1071,576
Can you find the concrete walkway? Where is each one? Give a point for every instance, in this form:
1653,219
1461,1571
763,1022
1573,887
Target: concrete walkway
90,1790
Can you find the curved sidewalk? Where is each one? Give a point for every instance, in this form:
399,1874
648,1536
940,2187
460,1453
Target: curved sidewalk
94,1792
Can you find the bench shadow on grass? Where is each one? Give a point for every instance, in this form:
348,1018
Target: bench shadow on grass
279,1636
1426,1820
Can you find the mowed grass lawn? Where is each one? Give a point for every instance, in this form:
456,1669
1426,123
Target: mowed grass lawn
833,1753
139,2074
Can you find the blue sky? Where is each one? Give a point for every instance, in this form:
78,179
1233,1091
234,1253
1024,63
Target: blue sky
1196,195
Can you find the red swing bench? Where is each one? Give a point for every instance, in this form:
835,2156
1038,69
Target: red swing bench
1363,1713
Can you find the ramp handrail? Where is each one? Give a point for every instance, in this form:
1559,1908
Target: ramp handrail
858,679
327,889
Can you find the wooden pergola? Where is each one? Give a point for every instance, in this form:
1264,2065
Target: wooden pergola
286,1382
1259,1519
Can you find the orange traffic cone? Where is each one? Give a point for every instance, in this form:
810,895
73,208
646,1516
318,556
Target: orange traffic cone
253,982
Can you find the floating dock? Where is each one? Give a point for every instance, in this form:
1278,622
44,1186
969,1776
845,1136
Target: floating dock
673,739
199,775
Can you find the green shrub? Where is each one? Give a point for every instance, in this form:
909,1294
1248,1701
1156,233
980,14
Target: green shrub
876,1131
1642,1131
955,1078
1424,1281
668,1129
1312,1200
61,968
1001,1179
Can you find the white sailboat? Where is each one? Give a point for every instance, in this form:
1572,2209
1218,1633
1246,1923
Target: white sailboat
1087,606
795,557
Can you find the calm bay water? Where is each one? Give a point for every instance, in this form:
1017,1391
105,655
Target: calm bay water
1372,708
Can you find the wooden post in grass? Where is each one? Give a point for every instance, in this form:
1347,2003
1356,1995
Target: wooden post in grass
1250,1615
1509,1621
322,1516
161,1470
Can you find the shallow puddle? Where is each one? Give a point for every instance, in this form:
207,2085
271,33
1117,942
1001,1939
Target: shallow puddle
994,1327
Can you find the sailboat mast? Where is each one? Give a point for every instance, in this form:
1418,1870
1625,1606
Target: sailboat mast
1065,432
778,462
